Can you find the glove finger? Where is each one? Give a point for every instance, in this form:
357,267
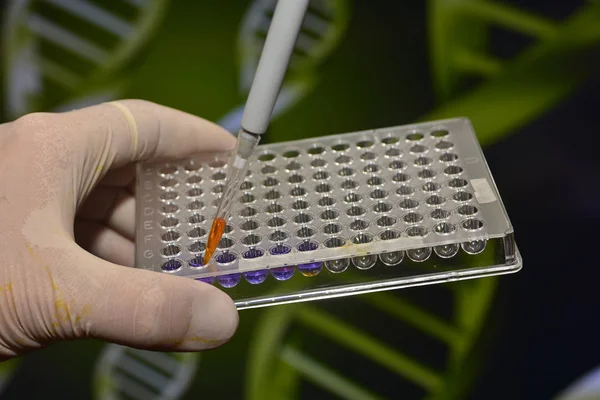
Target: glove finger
105,242
154,311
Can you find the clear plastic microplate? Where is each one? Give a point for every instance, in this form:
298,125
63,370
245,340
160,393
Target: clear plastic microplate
332,216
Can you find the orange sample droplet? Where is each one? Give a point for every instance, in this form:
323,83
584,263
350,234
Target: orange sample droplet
214,237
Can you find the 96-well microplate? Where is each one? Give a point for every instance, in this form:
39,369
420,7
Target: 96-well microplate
332,216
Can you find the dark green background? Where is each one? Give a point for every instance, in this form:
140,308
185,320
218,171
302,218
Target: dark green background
379,76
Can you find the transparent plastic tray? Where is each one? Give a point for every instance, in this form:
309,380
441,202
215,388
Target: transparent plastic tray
332,216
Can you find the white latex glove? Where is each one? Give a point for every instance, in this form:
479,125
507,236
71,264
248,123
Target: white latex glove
69,176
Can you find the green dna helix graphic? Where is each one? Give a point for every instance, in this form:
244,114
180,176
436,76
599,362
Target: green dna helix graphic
118,374
507,94
510,93
52,62
66,54
322,29
125,373
62,54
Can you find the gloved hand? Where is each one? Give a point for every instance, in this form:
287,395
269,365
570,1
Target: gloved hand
66,181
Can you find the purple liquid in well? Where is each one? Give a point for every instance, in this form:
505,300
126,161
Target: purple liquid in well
310,269
256,277
280,249
283,273
229,281
253,253
225,258
171,265
210,280
195,262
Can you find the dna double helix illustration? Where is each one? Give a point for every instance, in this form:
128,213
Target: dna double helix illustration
62,55
122,372
66,54
322,30
450,319
38,35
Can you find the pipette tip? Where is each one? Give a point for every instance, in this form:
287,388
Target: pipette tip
216,231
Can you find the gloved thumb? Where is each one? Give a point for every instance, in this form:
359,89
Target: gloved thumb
149,310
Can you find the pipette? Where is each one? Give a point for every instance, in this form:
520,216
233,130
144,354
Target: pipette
266,85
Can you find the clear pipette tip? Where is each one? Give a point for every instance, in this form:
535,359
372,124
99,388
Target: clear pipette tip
236,172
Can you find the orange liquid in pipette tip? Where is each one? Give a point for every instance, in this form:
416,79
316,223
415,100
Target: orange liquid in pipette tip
214,237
